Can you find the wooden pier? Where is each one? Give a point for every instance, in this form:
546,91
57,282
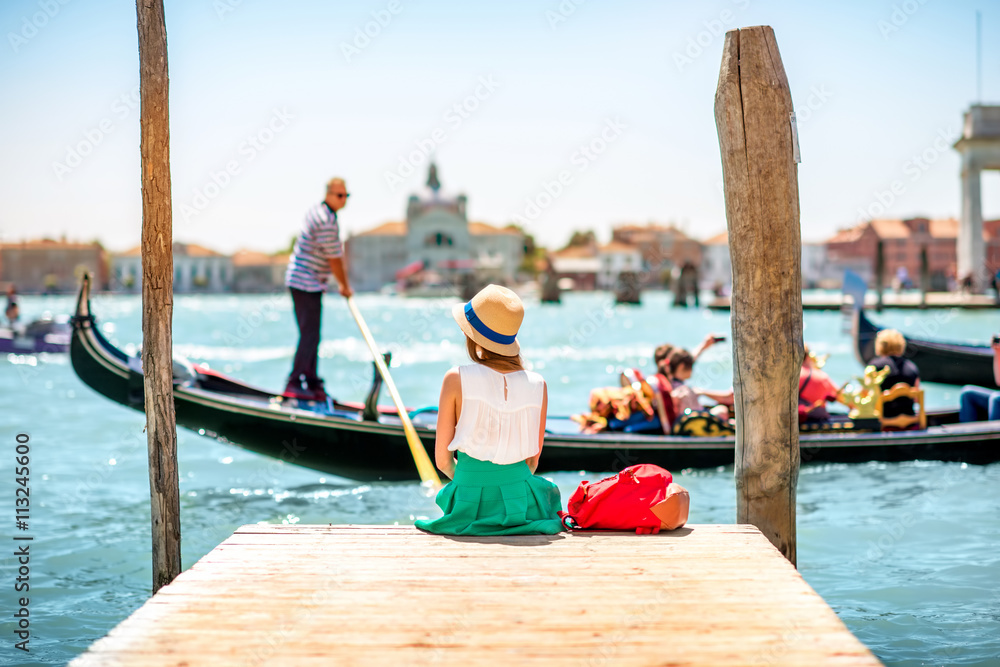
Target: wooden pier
392,595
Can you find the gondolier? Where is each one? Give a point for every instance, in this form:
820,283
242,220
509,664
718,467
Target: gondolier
317,254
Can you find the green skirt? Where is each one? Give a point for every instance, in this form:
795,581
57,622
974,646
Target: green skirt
489,499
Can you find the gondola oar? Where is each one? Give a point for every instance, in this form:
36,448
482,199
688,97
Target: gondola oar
424,468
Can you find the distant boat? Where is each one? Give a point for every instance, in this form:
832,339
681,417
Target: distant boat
42,335
349,440
938,361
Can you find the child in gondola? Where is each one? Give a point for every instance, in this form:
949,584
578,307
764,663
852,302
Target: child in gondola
490,429
681,363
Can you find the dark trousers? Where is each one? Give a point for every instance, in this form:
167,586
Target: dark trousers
308,308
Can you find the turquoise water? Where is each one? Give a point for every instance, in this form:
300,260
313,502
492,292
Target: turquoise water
905,553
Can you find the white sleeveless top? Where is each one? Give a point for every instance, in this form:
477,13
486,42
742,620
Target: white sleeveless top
493,428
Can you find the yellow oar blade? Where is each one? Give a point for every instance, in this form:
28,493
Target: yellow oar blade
425,468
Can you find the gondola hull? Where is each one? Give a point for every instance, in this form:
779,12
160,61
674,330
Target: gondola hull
947,363
334,437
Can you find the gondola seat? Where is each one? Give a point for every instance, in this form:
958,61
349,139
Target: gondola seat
702,423
903,422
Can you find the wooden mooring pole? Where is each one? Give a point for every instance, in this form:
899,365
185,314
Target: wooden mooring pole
925,276
157,293
879,274
753,108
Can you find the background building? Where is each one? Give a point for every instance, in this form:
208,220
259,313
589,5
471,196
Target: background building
617,257
816,269
661,248
716,265
436,236
49,266
902,242
576,267
196,269
259,272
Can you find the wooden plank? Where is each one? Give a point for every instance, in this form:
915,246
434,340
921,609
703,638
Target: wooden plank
392,595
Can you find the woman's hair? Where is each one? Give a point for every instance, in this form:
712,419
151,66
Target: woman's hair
680,358
497,362
889,343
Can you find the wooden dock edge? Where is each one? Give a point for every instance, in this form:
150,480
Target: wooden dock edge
380,595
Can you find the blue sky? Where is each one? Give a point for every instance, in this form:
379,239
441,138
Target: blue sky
286,95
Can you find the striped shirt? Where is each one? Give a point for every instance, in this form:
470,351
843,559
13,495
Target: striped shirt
319,241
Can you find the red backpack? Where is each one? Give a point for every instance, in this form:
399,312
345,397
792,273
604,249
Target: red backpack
641,497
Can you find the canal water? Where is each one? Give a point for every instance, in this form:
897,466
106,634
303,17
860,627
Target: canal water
906,554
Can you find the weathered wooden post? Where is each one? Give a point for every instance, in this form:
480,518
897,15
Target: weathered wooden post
157,293
879,274
925,276
753,108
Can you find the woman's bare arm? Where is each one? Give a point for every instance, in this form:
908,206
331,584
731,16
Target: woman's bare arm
533,461
723,397
448,410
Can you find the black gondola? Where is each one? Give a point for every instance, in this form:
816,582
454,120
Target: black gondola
337,438
938,361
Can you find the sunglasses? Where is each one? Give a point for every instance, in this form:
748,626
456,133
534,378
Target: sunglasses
341,195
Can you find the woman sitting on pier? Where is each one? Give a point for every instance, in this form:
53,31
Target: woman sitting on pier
889,348
490,428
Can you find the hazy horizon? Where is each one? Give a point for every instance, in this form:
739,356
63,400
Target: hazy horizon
268,102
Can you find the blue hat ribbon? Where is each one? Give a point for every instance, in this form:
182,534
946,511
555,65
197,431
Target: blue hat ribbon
490,334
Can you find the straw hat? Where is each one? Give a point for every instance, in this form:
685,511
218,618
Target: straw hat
492,319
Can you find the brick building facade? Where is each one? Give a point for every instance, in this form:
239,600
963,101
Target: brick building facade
49,266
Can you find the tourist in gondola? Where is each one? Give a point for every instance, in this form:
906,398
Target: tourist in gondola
662,381
490,430
816,389
977,403
889,348
661,354
12,310
317,254
681,364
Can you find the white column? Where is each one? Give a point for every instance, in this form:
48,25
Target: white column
971,249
